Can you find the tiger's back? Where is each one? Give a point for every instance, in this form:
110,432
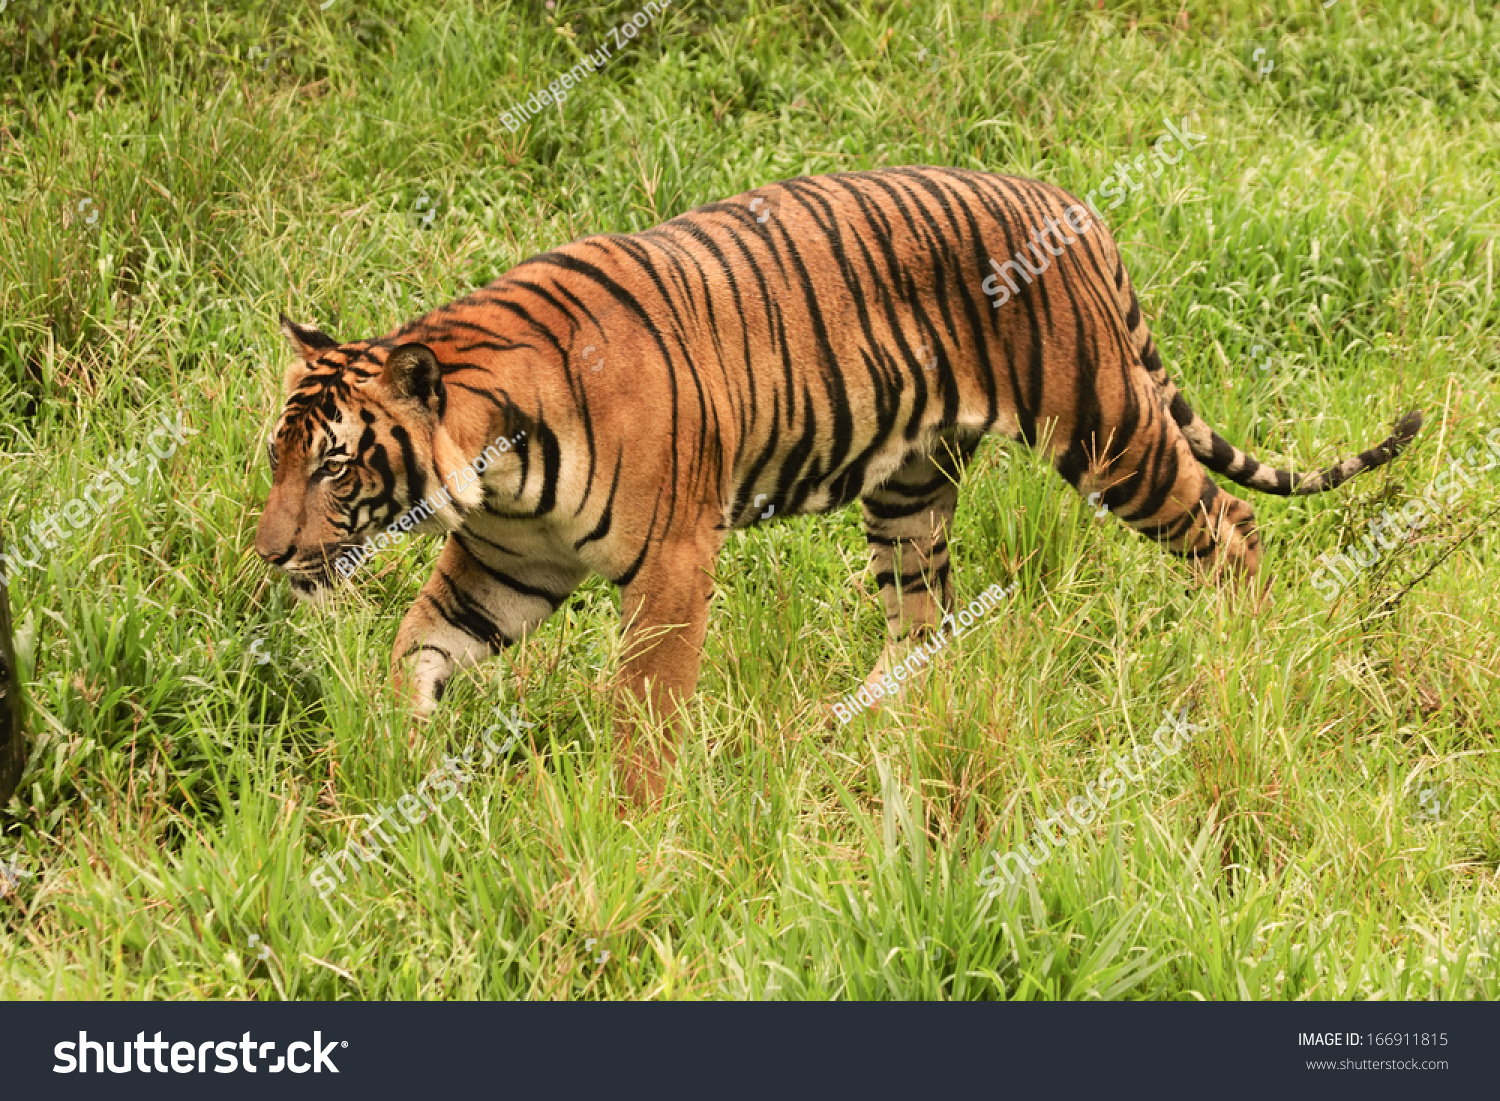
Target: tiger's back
804,341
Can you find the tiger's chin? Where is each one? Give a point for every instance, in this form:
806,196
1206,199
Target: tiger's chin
317,591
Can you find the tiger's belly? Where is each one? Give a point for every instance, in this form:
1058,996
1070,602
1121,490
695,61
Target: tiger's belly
823,492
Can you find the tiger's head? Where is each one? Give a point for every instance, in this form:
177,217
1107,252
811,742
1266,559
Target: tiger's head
353,450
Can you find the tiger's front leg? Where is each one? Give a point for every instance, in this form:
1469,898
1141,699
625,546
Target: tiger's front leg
478,601
665,613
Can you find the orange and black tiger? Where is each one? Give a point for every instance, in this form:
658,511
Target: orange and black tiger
789,350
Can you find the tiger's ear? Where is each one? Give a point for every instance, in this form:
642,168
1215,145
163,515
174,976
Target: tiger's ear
412,372
307,341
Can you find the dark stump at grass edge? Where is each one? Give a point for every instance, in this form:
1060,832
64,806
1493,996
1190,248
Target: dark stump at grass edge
12,707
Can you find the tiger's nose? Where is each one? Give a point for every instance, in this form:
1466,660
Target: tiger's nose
271,544
271,554
277,559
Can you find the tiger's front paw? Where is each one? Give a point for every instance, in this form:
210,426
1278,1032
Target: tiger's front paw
416,692
644,780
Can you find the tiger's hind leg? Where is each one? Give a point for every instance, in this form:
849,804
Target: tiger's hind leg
1145,471
907,521
476,603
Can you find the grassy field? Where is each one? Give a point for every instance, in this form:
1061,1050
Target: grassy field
173,175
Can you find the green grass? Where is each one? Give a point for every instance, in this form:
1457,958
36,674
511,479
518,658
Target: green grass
200,741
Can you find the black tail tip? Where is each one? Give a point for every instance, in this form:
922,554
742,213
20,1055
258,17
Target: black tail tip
1407,427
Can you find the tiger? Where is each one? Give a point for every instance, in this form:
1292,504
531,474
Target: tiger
788,350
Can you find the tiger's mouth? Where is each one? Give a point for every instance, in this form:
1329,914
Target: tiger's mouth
311,576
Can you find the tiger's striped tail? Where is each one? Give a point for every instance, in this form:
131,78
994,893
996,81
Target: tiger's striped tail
1221,456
